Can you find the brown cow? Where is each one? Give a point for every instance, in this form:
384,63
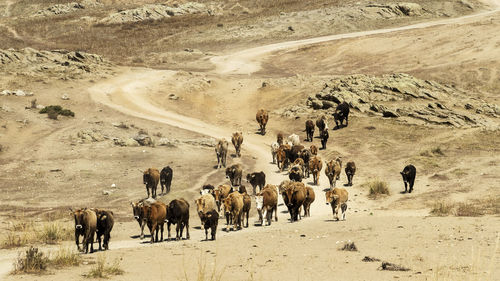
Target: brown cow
262,117
151,177
281,159
322,124
220,193
309,130
333,170
300,162
313,149
350,170
247,204
237,140
178,213
155,216
233,206
105,222
267,200
294,195
85,225
279,138
305,155
315,166
205,204
337,198
310,196
221,151
234,174
138,215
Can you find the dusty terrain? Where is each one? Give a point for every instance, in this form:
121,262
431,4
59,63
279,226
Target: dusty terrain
191,73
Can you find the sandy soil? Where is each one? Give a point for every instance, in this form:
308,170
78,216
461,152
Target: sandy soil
45,168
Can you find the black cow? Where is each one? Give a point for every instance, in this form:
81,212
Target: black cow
350,170
105,222
295,174
409,173
305,154
324,138
341,113
257,179
210,220
178,213
207,189
166,179
294,153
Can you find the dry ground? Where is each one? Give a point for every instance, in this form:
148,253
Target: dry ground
44,167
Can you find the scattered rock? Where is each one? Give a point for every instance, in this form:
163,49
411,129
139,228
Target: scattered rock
131,142
160,11
392,267
144,140
208,142
19,93
166,142
65,97
120,125
90,135
106,192
399,9
173,97
369,259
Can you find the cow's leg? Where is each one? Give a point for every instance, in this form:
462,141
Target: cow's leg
142,223
182,230
161,229
214,231
261,219
248,212
187,229
411,185
168,229
152,231
177,230
406,188
99,240
206,234
91,242
107,236
76,241
147,189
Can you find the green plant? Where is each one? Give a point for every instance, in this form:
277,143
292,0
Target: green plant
54,110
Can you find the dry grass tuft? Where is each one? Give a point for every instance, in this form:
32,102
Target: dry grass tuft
103,270
350,246
377,188
65,257
441,209
21,234
33,261
54,232
204,273
468,210
392,267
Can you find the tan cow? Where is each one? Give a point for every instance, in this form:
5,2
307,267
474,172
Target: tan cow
151,177
205,204
220,193
262,117
315,166
274,150
247,204
337,198
310,196
233,206
85,225
237,140
333,170
221,151
155,215
313,149
267,200
281,158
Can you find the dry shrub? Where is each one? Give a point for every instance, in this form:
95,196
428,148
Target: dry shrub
392,267
33,261
103,270
54,232
377,188
204,273
65,257
435,151
369,259
442,209
350,246
468,210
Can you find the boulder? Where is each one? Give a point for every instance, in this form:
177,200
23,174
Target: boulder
65,97
130,142
143,140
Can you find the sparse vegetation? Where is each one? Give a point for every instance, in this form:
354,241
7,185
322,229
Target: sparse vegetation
65,257
441,209
465,209
24,233
349,246
204,273
435,151
392,267
377,188
54,110
103,270
32,261
54,232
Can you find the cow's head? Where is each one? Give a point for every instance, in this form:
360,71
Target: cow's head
200,205
145,177
79,218
404,174
250,177
229,172
259,201
145,211
137,209
289,191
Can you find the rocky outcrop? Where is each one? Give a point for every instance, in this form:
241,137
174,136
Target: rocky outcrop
61,9
404,97
18,93
57,63
398,9
89,136
159,11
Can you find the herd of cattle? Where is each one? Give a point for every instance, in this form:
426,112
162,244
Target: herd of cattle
233,198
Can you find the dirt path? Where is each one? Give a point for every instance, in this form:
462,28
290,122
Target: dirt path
8,5
249,61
